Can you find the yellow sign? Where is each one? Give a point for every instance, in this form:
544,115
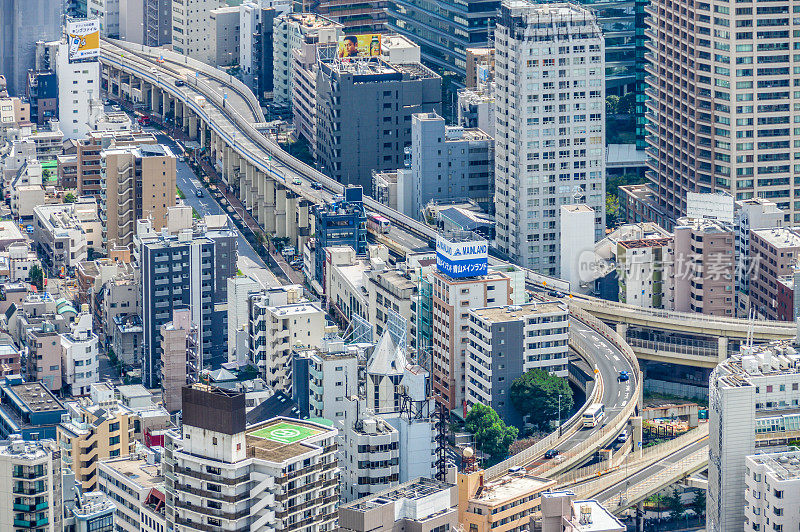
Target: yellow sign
366,45
83,38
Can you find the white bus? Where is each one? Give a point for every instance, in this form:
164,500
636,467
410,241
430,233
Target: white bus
593,415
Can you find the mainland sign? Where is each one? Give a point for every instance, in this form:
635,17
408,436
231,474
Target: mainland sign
462,259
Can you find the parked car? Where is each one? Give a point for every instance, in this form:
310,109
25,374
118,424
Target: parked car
552,453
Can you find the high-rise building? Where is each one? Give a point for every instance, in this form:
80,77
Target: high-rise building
381,131
188,268
30,481
444,29
180,364
256,22
750,215
147,22
190,23
290,31
719,113
78,88
341,223
704,267
356,16
136,182
107,12
278,474
772,491
753,404
507,341
25,22
550,133
773,254
452,296
89,154
276,330
447,163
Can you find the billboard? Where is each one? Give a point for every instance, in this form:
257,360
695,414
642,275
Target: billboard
366,45
83,38
467,258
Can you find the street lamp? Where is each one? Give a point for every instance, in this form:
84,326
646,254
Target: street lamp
559,415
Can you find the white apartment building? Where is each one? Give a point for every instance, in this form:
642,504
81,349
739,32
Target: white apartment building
128,481
289,32
507,341
772,491
240,288
107,12
644,267
190,23
30,485
278,474
64,232
80,366
333,376
78,91
729,72
754,399
550,131
276,330
369,452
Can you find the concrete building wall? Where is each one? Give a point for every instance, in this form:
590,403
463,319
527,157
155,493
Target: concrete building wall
224,35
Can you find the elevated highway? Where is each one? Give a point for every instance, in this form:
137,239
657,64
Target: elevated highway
223,116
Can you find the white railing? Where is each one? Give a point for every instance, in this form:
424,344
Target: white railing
581,451
574,455
631,465
641,490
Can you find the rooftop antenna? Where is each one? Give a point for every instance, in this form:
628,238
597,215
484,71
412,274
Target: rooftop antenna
750,325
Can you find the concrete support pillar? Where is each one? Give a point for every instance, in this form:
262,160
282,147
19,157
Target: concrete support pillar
192,127
640,516
268,221
722,348
292,202
203,135
605,454
280,212
693,418
622,329
636,433
155,100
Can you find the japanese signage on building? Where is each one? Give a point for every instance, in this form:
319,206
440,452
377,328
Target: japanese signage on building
462,258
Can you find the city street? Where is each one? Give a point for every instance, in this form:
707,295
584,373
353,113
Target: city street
249,261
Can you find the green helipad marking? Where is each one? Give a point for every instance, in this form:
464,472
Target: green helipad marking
285,433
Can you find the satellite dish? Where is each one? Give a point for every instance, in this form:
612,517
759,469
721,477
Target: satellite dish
467,452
